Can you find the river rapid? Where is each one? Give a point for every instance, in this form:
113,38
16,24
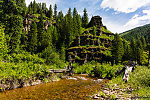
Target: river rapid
77,87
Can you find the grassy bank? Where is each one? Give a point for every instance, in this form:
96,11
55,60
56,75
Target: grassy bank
18,69
138,85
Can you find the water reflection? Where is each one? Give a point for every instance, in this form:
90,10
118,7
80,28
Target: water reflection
76,87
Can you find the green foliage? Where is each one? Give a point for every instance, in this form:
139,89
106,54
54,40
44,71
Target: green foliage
141,76
133,49
68,28
82,69
34,7
143,42
21,70
97,69
139,44
139,82
52,57
42,36
79,28
105,30
75,26
105,70
3,44
127,51
54,36
117,48
85,19
62,53
13,30
32,38
94,30
25,57
136,33
55,11
50,13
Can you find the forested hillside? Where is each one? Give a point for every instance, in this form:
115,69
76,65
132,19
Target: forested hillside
136,33
37,29
35,40
42,35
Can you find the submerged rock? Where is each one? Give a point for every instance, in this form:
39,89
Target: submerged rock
72,78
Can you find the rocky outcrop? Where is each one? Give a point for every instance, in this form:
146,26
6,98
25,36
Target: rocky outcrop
9,84
96,21
90,45
28,20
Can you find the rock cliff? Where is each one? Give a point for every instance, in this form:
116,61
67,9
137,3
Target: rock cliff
89,46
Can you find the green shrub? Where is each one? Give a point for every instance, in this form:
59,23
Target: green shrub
25,57
52,57
105,70
141,76
21,70
96,69
85,68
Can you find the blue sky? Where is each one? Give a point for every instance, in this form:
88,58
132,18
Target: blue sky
117,15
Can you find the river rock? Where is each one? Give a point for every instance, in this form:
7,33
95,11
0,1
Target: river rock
82,78
72,78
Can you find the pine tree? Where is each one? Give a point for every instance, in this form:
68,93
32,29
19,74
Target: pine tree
75,27
34,7
41,35
143,42
44,9
139,44
50,13
24,39
14,26
39,8
13,20
17,7
133,49
117,48
127,51
60,27
139,55
1,10
30,10
32,38
3,44
55,11
139,52
62,53
54,36
148,48
69,27
21,6
79,22
85,18
49,36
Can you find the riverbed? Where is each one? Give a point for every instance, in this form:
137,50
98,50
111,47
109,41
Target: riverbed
75,87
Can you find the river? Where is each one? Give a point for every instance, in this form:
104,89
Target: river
77,87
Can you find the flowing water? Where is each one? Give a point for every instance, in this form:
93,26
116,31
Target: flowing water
77,87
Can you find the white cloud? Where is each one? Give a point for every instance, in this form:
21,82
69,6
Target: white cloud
125,6
112,26
48,2
138,20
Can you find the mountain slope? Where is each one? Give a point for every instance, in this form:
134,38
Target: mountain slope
136,32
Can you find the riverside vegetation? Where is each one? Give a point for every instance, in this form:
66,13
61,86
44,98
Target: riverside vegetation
34,39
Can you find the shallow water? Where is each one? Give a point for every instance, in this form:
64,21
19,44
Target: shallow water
70,88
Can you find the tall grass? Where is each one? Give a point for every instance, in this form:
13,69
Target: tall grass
139,82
